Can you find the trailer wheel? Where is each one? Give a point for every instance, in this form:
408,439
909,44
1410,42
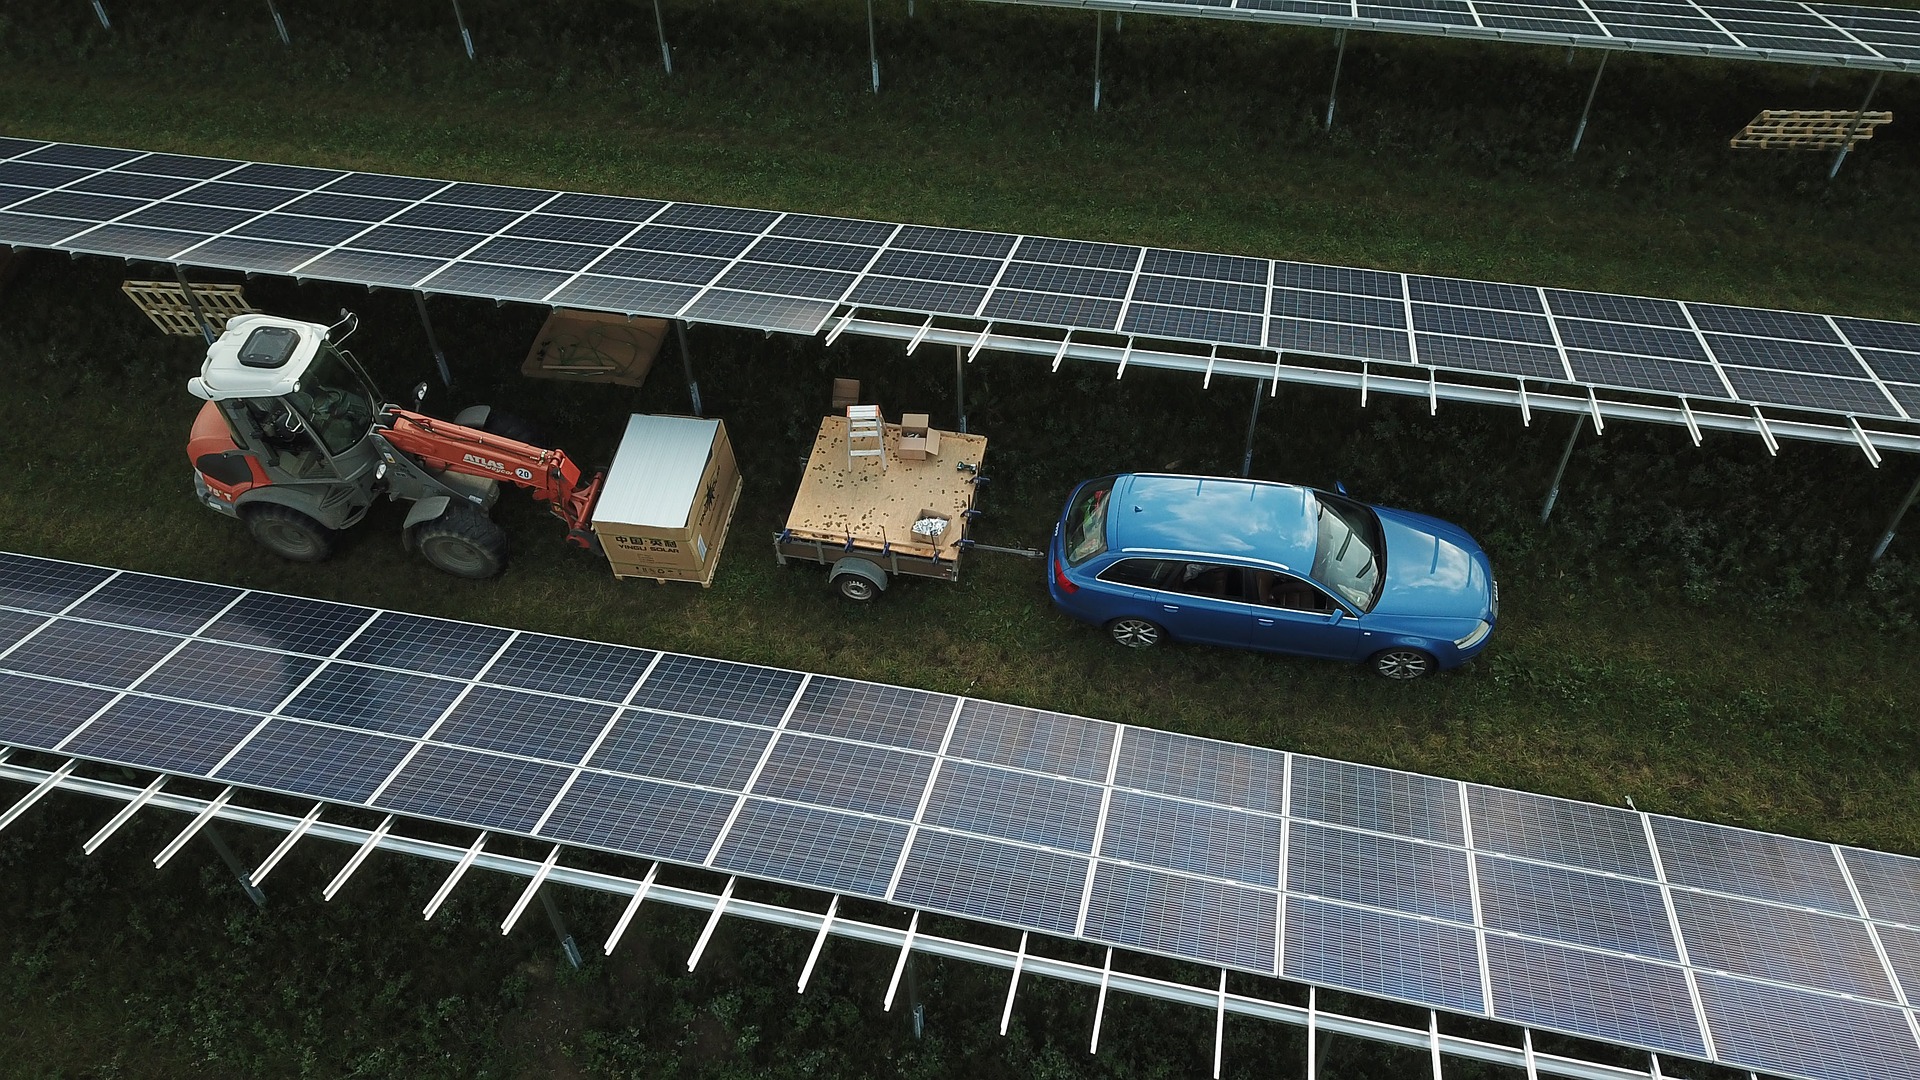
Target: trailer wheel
288,533
463,542
855,588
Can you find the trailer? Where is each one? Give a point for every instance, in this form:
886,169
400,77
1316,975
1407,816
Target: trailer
875,507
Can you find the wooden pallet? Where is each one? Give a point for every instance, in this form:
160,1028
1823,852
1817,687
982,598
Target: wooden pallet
1808,129
166,304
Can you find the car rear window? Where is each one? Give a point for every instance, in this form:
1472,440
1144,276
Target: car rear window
1086,534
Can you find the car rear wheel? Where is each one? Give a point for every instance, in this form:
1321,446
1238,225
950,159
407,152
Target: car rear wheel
1136,633
1401,664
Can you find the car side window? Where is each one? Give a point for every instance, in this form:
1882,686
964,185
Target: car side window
1287,591
1210,579
1143,573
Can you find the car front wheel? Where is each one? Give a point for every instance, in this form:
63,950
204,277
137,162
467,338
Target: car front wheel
1136,633
1401,664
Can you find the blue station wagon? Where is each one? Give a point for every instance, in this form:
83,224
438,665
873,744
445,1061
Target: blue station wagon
1252,564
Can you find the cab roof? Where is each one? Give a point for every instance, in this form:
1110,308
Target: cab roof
267,367
1250,519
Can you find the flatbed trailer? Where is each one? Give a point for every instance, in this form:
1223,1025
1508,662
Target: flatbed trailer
856,515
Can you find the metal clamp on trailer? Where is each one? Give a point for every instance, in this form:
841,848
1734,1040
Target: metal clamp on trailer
887,500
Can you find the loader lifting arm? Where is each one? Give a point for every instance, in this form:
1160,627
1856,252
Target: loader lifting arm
549,475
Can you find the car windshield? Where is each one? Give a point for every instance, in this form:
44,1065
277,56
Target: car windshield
337,403
1349,558
1086,534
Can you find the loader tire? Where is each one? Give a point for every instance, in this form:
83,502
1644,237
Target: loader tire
289,533
463,542
519,429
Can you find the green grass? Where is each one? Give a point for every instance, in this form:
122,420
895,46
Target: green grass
1697,630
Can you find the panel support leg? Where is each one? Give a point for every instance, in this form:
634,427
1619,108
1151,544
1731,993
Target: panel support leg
1854,128
1886,538
433,343
1339,58
233,863
100,13
279,23
1553,492
1253,419
560,930
686,365
960,386
873,49
466,38
1580,130
660,24
916,1010
193,301
1099,31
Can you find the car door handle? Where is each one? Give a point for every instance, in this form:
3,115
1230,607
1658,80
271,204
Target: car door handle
1169,607
1264,622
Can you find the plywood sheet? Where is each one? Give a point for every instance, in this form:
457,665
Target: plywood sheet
839,498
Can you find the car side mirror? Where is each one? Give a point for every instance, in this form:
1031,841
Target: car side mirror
1340,487
419,394
1338,614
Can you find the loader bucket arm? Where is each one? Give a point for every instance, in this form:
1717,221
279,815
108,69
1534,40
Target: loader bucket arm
549,475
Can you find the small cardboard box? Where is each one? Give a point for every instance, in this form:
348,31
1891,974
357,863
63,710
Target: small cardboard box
595,346
933,538
918,439
845,392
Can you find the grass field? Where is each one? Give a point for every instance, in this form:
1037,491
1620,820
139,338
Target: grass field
1697,629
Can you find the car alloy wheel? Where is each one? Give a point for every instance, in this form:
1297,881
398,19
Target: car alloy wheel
1135,633
1402,664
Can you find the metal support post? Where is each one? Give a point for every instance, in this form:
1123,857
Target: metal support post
279,23
686,364
916,1010
465,37
1854,128
100,13
560,930
193,301
873,49
960,386
1580,131
433,343
1099,30
1886,538
1333,94
1553,493
233,863
1246,462
660,24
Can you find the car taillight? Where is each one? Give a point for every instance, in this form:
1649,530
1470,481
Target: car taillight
1060,578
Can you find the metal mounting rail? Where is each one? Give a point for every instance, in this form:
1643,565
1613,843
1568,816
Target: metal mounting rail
1212,999
1408,380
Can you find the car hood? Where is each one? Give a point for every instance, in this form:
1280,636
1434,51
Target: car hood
1434,569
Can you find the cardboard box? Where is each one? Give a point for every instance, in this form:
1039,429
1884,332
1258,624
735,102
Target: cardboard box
845,392
918,439
668,499
595,346
932,537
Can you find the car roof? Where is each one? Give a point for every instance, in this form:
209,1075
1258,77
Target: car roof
1248,519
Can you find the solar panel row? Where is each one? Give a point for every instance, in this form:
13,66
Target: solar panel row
1784,31
1767,952
794,272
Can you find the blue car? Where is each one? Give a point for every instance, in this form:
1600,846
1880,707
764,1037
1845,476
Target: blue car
1251,564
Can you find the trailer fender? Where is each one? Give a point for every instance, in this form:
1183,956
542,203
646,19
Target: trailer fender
426,509
860,570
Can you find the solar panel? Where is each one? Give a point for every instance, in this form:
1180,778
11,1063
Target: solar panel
1128,837
794,273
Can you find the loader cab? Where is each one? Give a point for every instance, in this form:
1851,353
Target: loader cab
291,397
